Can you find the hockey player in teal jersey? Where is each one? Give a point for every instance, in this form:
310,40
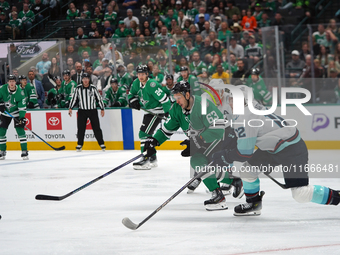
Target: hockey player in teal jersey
185,76
12,100
115,96
204,138
261,93
147,94
31,97
279,143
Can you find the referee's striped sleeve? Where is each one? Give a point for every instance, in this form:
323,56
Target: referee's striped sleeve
74,98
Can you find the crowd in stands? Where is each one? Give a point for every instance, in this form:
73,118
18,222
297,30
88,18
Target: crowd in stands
119,35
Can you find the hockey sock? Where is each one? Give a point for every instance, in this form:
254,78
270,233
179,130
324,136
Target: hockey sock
325,196
3,139
251,189
142,136
198,162
22,137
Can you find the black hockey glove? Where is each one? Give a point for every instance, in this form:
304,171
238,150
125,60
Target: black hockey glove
220,158
50,96
60,97
186,151
2,107
116,104
21,123
231,140
134,103
197,144
30,105
53,101
149,146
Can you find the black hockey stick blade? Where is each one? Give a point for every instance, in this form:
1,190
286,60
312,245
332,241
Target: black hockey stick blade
59,149
129,224
47,197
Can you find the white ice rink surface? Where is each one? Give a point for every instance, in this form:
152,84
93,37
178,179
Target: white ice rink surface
89,222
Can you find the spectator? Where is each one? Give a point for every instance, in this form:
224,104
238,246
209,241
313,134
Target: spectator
304,51
258,12
332,83
240,74
157,75
188,48
177,34
224,32
54,70
100,5
320,35
27,18
44,65
98,16
72,12
211,4
233,63
4,6
217,23
175,55
200,3
157,7
84,47
130,4
249,21
69,64
147,9
200,24
264,21
170,17
191,12
80,34
253,50
201,10
237,49
93,78
38,88
3,23
181,19
331,65
197,66
85,14
98,62
213,65
106,45
278,21
187,24
72,41
216,13
296,65
232,10
163,65
207,29
70,53
324,57
206,48
128,46
122,31
134,27
110,15
129,18
198,42
154,21
100,70
333,27
220,74
331,41
15,57
77,77
217,48
261,93
14,26
212,37
93,28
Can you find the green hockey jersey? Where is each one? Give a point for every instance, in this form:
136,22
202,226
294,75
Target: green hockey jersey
151,96
68,89
59,96
124,80
111,97
15,102
260,90
193,121
193,84
197,69
30,95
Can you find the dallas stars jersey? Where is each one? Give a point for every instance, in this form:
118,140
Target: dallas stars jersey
260,90
30,94
124,80
151,96
159,78
167,91
192,121
196,89
320,39
59,95
198,69
15,102
233,68
255,51
68,89
119,96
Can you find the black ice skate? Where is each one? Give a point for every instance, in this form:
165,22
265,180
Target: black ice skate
216,202
2,155
78,148
103,147
238,188
226,189
252,207
24,155
153,161
143,164
194,185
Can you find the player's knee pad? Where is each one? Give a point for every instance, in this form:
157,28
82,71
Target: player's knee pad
303,194
249,173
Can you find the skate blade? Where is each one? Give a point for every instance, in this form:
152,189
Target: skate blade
78,150
2,158
25,158
190,191
256,213
154,164
216,207
141,167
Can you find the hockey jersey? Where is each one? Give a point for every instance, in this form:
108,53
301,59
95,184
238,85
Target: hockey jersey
260,90
195,87
111,97
15,102
30,95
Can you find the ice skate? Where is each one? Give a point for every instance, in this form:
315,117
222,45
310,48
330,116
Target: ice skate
24,155
78,148
153,161
238,188
252,207
2,155
103,147
216,202
194,185
143,164
226,189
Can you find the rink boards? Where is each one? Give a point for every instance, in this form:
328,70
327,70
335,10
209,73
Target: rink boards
320,130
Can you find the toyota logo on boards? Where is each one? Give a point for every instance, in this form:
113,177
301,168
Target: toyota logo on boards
53,121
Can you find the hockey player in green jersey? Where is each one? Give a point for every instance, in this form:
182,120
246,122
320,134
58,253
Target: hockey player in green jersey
205,138
147,94
185,76
31,97
261,93
56,96
123,77
115,96
69,86
169,84
12,100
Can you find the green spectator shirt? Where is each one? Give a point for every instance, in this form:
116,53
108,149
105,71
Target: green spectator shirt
26,16
72,15
111,17
198,69
15,23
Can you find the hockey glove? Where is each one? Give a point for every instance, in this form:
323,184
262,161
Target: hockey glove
197,145
50,96
21,123
30,105
2,107
53,101
60,97
231,140
134,103
116,104
186,151
149,146
220,158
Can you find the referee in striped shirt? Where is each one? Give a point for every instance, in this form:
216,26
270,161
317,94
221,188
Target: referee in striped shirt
87,95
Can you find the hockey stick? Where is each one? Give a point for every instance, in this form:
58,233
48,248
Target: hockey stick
154,114
58,198
284,186
129,224
56,149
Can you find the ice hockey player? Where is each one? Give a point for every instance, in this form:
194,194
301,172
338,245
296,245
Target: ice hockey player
169,84
69,86
225,109
147,94
31,97
115,96
123,77
204,138
56,96
279,143
185,76
12,100
261,93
